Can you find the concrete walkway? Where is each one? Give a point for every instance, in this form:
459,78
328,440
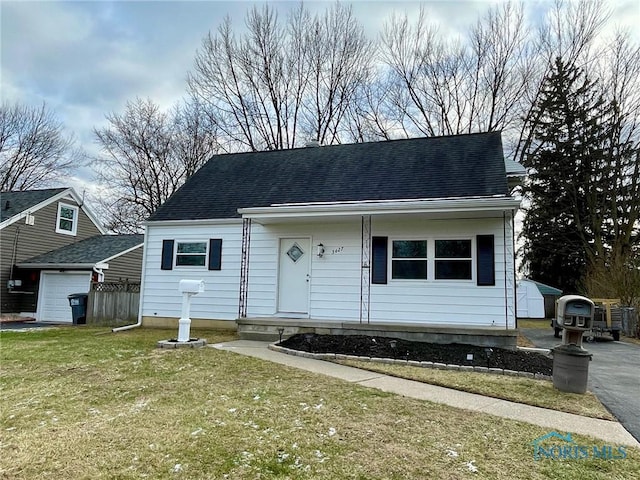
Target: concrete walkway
611,432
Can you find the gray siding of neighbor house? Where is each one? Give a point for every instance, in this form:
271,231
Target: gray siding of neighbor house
125,267
41,237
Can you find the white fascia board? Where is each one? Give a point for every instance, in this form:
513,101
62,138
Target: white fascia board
442,205
123,252
67,192
64,266
182,223
54,198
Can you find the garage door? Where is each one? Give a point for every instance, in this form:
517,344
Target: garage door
53,305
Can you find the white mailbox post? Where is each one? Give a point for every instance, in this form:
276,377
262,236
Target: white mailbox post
188,288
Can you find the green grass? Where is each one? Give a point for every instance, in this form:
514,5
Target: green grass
81,403
515,389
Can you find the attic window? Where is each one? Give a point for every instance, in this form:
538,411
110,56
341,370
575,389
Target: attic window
67,220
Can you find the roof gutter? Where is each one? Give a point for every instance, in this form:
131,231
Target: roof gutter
64,266
438,205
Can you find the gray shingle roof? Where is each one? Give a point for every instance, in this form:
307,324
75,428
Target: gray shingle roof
13,203
89,251
435,167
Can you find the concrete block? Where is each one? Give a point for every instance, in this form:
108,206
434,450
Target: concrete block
497,371
451,366
466,368
439,366
481,369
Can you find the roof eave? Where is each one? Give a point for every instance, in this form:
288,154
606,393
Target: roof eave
54,198
419,206
64,266
199,221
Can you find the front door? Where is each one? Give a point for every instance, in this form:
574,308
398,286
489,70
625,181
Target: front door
293,282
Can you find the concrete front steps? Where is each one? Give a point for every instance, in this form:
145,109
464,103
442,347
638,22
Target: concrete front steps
273,328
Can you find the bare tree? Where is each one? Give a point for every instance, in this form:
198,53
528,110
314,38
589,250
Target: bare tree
568,32
449,86
34,150
282,83
148,154
338,59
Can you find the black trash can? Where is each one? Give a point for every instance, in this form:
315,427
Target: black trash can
78,303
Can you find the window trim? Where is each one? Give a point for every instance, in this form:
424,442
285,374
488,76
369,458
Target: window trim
391,258
204,255
74,222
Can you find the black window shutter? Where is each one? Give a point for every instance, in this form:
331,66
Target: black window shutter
167,255
379,260
215,254
485,260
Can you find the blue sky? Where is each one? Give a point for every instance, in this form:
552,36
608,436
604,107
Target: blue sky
87,58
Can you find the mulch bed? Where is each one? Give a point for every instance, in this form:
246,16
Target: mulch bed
454,354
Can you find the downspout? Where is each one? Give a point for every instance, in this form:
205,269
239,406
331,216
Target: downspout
100,273
144,269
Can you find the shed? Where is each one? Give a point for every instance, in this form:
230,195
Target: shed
536,300
530,300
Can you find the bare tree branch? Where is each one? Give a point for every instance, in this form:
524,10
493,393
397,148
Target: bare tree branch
34,151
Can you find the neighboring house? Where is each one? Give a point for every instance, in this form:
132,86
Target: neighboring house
416,231
52,245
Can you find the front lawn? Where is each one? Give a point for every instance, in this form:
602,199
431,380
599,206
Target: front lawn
83,403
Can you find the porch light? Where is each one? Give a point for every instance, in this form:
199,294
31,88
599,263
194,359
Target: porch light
320,250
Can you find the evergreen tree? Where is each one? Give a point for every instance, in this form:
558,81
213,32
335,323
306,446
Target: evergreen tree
569,161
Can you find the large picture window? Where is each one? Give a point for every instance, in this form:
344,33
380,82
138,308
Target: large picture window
67,221
192,254
453,260
409,260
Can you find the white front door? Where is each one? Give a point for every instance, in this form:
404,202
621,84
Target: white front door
53,304
294,275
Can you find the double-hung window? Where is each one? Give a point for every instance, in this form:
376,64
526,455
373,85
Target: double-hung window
409,259
191,254
67,220
453,260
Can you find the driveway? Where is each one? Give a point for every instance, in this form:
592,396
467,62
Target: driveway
614,375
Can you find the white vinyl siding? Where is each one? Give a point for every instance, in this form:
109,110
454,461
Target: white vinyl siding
335,290
334,278
219,301
439,301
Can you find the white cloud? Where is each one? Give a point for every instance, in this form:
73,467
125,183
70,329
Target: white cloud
87,59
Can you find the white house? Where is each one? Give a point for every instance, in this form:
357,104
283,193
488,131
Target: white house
416,233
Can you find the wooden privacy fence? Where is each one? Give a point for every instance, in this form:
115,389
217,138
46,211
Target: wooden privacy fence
113,303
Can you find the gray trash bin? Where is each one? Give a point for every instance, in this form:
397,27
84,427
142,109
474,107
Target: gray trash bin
78,304
570,368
